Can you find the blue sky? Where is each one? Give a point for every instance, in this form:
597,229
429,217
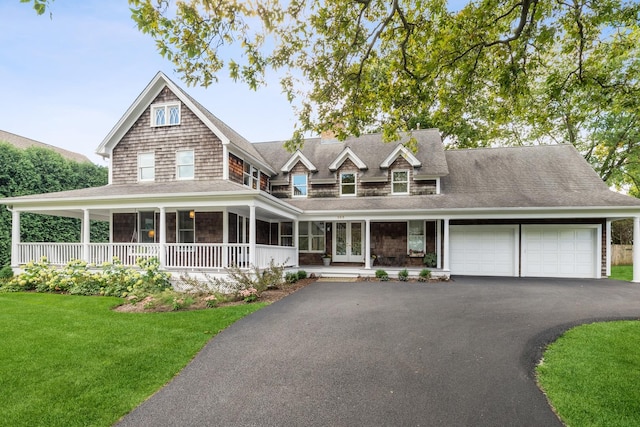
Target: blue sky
67,80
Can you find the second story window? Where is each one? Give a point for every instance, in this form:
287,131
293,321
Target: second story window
146,167
399,182
348,184
250,176
185,165
299,185
165,115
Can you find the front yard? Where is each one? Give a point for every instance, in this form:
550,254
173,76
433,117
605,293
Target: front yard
72,361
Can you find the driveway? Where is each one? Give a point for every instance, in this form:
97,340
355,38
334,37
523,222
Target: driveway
387,354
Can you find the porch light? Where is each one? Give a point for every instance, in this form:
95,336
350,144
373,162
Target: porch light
151,233
192,214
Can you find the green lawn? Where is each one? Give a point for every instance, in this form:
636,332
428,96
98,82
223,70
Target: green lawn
71,361
622,272
591,375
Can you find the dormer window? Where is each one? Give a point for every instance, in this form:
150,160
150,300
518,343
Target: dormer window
347,184
165,115
299,185
400,182
146,167
185,166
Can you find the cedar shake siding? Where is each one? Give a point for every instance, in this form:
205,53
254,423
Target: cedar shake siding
164,141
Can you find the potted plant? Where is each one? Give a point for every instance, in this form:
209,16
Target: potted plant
326,259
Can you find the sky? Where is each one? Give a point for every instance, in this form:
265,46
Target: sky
67,79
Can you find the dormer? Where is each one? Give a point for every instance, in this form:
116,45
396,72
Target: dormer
347,153
298,157
406,154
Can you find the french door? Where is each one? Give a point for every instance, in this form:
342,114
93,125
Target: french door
348,242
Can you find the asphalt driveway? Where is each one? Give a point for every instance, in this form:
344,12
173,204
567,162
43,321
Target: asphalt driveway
387,354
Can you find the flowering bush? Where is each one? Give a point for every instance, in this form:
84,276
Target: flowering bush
114,280
249,295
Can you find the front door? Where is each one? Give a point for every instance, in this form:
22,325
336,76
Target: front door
348,242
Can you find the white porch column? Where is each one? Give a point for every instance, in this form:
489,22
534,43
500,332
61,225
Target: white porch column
162,232
439,244
225,238
296,233
636,249
367,244
252,235
446,264
15,239
608,246
86,235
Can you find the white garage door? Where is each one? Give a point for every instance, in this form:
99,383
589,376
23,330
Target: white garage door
483,250
559,251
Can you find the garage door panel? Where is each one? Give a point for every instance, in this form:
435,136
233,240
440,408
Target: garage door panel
482,250
567,251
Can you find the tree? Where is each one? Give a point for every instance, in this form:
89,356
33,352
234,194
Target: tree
39,170
490,72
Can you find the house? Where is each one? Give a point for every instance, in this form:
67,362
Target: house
22,143
185,187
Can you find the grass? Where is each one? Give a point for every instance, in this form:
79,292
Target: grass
71,361
591,375
622,272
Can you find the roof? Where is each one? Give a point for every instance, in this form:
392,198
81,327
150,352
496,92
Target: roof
226,134
370,149
22,143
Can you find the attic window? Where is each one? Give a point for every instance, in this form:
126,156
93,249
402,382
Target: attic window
348,184
165,115
400,182
299,185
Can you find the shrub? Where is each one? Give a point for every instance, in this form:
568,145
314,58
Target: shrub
6,273
382,275
425,274
302,274
430,259
403,275
291,277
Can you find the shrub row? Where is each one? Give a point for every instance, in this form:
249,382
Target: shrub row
80,278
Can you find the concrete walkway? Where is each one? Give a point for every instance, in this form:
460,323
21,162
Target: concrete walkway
387,354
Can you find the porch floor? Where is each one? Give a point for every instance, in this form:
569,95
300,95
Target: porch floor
360,271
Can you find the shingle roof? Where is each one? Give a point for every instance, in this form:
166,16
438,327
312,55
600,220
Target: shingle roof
22,143
369,148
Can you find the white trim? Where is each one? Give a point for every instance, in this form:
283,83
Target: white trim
404,193
403,151
139,167
225,162
355,184
636,249
193,163
347,153
306,186
295,158
424,234
608,246
166,106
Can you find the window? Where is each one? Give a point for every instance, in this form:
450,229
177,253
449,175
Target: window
147,227
250,176
348,184
286,234
415,238
165,115
146,167
185,164
186,226
399,182
299,185
311,236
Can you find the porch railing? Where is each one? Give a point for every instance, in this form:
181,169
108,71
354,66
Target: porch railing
216,256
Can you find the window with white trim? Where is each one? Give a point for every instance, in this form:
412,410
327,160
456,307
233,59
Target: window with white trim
286,234
146,166
416,237
186,226
299,185
400,182
147,227
311,236
347,184
185,164
165,115
250,176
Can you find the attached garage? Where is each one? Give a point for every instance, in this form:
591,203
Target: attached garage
483,250
560,251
